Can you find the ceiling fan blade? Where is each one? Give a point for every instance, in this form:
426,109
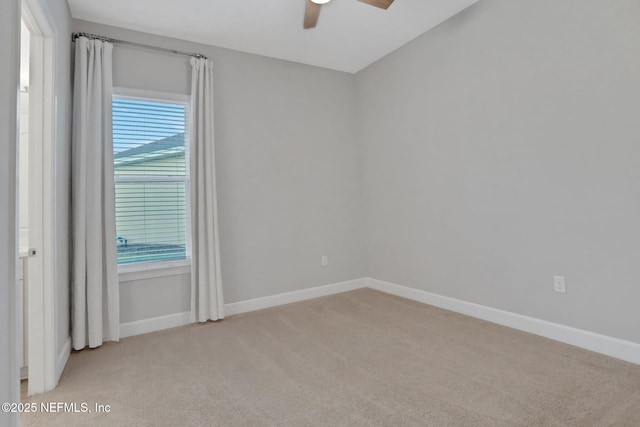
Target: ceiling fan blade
382,4
311,14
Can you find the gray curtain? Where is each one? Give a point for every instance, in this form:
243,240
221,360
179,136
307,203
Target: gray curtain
206,281
95,300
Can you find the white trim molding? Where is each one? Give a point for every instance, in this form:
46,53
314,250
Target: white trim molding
154,324
610,346
150,95
42,283
290,297
63,358
143,271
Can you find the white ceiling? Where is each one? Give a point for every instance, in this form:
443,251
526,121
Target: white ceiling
350,35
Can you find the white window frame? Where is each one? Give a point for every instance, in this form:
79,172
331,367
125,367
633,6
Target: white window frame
152,269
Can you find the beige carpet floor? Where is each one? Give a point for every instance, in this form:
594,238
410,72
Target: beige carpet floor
361,358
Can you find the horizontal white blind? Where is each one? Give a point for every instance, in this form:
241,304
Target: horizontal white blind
151,172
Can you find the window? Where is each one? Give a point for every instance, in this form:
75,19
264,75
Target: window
151,167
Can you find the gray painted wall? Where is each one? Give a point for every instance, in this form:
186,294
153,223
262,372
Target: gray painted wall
498,150
9,81
502,148
156,297
288,172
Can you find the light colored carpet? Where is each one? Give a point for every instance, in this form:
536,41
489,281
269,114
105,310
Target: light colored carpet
358,358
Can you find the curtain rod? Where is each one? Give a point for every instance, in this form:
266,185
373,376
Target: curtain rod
74,36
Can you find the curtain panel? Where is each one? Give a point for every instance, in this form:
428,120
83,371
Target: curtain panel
95,299
206,281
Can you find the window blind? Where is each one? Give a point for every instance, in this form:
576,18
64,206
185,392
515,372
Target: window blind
151,179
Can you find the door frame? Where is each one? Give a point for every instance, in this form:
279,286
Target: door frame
41,266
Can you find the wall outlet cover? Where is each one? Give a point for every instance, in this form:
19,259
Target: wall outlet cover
559,284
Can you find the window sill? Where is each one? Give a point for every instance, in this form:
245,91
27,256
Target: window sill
151,270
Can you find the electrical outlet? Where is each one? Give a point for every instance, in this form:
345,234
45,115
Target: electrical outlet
559,284
325,260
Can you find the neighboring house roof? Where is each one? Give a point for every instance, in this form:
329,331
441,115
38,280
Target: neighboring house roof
169,146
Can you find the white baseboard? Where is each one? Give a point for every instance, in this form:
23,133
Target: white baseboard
290,297
63,358
610,346
154,324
